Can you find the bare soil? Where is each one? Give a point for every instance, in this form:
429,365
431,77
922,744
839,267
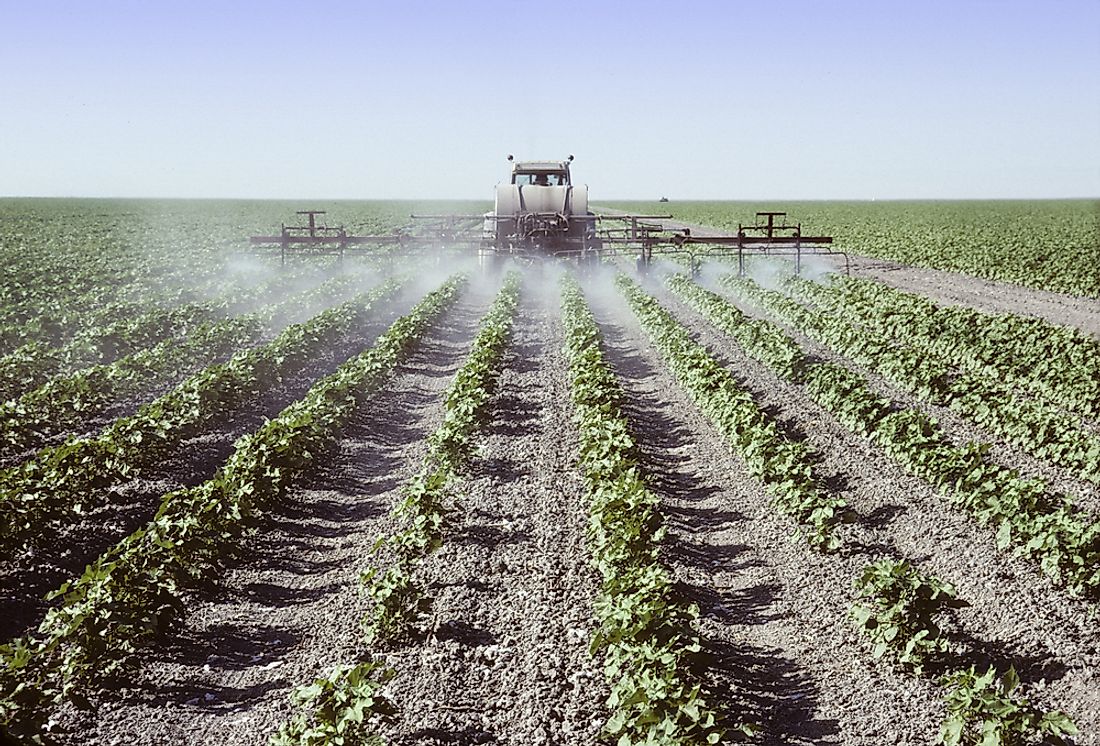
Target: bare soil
288,606
507,661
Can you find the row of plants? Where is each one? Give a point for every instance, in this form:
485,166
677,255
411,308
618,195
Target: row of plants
119,329
645,632
138,588
897,606
72,269
397,602
1040,428
82,295
1060,363
899,610
65,402
1039,525
782,465
116,329
71,477
348,704
34,363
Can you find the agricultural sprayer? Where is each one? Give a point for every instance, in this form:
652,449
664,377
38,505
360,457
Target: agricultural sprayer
541,213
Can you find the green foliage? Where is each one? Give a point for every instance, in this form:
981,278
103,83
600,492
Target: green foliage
927,365
982,711
65,402
1047,244
760,339
1059,363
897,611
69,478
398,603
783,466
645,632
134,590
340,710
1045,527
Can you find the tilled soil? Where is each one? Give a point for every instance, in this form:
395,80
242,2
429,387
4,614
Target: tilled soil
67,548
289,605
958,429
507,661
798,601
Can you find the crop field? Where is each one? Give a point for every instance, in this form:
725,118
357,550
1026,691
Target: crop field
409,501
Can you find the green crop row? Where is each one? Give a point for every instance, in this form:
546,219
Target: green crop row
133,591
68,478
1039,428
346,705
398,602
1060,363
118,330
34,363
66,402
897,606
645,631
1042,526
782,465
56,321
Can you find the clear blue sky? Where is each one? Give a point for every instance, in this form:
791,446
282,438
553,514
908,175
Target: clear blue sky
694,100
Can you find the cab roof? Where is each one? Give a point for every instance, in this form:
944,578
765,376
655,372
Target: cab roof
540,166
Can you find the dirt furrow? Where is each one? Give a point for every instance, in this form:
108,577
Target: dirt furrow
508,660
1016,616
774,613
289,605
957,428
26,579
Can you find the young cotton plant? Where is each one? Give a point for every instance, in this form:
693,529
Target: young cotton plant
645,632
342,709
398,604
898,612
982,711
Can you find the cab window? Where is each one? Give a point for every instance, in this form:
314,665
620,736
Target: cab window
540,179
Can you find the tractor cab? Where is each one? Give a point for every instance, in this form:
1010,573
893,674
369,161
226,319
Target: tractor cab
541,173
